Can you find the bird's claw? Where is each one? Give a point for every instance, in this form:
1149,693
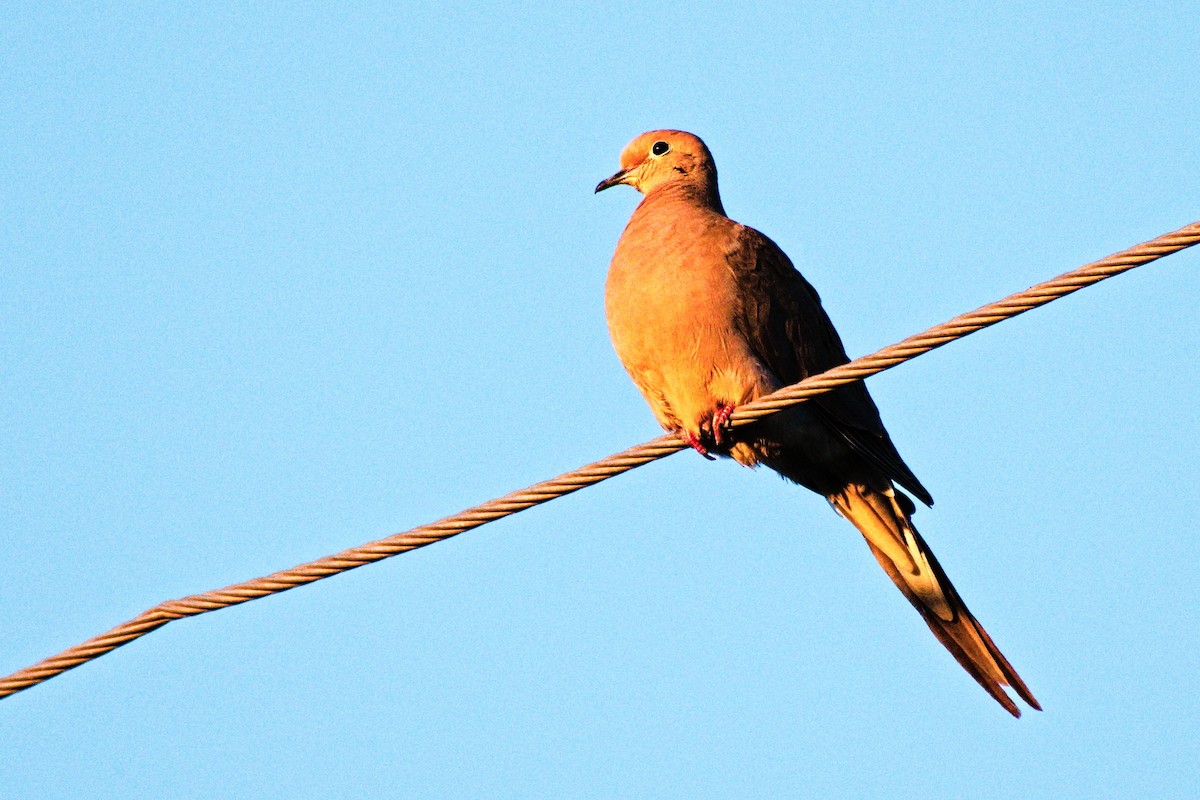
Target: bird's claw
716,434
696,444
721,429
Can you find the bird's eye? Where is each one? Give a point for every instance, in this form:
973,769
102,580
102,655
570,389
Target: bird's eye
660,148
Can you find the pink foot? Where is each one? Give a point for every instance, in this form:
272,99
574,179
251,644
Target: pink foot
696,444
720,424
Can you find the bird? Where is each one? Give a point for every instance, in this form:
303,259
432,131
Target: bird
707,314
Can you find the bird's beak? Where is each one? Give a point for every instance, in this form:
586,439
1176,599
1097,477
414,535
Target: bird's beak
608,183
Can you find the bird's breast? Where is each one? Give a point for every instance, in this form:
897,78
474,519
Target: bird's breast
671,302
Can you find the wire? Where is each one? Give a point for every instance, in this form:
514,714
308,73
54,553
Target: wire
595,472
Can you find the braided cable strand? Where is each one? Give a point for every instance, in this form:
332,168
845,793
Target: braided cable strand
575,480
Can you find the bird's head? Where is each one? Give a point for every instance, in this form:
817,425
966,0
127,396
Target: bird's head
658,158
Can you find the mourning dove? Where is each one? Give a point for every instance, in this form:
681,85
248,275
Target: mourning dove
707,314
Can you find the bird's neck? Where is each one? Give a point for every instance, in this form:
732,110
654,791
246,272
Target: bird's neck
699,193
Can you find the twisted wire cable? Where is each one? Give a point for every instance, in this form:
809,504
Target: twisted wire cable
595,472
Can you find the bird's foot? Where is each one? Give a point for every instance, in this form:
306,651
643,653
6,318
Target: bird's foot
696,444
715,432
722,432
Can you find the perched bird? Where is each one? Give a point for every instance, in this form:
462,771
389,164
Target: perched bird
707,314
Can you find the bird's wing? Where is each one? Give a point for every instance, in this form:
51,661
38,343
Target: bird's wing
782,319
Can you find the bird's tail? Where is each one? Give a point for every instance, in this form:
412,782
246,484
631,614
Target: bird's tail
884,522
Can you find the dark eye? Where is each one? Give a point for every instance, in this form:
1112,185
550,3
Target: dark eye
660,148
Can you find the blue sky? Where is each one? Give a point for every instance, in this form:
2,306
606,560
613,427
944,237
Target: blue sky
277,282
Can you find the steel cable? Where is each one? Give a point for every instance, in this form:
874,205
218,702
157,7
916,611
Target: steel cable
577,479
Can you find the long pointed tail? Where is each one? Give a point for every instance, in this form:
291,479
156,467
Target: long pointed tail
908,561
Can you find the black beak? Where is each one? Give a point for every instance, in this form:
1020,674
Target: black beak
608,183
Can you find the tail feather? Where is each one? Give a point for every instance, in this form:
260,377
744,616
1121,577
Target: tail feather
911,565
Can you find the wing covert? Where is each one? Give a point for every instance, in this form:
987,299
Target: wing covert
782,319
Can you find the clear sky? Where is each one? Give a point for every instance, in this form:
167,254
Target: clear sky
278,282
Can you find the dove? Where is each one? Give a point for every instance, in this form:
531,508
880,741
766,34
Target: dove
707,314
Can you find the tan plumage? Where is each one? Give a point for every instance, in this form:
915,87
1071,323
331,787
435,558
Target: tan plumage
707,314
